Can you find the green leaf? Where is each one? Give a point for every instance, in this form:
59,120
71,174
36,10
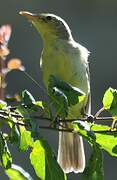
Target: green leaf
25,139
37,157
17,173
25,113
6,158
110,101
14,135
73,94
47,110
29,121
84,129
106,140
27,98
22,111
3,104
5,155
59,101
34,128
100,134
44,162
39,104
108,98
94,168
63,95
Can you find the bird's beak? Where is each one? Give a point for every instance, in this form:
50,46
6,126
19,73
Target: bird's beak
29,16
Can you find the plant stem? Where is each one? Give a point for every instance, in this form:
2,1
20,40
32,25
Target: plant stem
3,118
2,78
99,112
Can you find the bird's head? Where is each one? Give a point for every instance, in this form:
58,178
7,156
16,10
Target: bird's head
49,26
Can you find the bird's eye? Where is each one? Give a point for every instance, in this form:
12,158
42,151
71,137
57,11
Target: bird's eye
49,18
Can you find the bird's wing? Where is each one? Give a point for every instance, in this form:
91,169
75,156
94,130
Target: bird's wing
85,54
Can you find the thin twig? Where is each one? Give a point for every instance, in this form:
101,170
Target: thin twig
54,128
3,118
4,112
99,112
104,119
76,119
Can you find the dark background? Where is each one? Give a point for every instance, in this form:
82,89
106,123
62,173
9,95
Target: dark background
94,25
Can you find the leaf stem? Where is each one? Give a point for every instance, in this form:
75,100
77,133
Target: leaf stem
99,112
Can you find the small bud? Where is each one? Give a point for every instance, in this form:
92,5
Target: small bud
4,51
15,64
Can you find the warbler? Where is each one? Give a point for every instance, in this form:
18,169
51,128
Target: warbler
68,60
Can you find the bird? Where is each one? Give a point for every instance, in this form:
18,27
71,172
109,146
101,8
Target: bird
66,59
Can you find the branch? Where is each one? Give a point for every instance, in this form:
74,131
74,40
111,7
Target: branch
104,118
3,118
89,118
5,114
63,129
99,112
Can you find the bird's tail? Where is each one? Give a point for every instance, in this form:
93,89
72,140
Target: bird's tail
71,155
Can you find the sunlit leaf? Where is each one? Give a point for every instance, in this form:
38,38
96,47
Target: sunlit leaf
26,140
6,158
44,162
3,104
100,134
37,158
17,173
5,155
36,106
39,104
106,140
108,98
110,101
